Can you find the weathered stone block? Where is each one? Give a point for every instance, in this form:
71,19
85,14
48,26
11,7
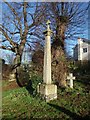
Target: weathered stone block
47,91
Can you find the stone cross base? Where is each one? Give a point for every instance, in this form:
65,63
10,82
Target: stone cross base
47,91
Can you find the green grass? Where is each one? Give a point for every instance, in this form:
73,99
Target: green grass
70,105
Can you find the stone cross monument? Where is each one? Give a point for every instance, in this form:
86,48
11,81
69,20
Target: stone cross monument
71,78
47,55
47,90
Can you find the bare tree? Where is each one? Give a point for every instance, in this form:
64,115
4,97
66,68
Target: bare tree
68,19
20,20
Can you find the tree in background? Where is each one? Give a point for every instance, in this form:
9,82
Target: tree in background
20,20
68,21
19,30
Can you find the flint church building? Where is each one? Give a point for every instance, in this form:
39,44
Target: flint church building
82,50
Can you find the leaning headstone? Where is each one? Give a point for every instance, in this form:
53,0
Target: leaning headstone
12,77
71,78
47,90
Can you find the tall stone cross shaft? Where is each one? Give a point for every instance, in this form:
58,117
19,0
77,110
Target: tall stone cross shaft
47,55
47,90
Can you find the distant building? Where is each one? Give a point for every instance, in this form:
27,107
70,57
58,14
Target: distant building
26,56
82,50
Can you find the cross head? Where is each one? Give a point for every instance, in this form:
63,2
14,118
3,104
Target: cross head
48,24
71,78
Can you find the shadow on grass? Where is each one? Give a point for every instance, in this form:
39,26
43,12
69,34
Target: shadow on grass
29,87
74,116
85,81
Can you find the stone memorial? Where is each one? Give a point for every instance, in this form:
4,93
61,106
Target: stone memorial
47,90
12,77
71,78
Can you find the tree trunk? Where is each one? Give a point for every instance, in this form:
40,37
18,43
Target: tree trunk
59,67
59,64
60,33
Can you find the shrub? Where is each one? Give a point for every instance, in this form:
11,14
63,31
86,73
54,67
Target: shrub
22,76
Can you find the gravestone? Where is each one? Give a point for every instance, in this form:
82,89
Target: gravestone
12,77
71,78
47,90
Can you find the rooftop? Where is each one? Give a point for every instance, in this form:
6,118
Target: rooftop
86,40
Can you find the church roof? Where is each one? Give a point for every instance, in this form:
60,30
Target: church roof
86,40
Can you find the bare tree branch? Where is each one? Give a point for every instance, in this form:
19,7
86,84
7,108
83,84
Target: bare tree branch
8,38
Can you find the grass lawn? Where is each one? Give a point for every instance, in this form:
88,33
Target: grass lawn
18,103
